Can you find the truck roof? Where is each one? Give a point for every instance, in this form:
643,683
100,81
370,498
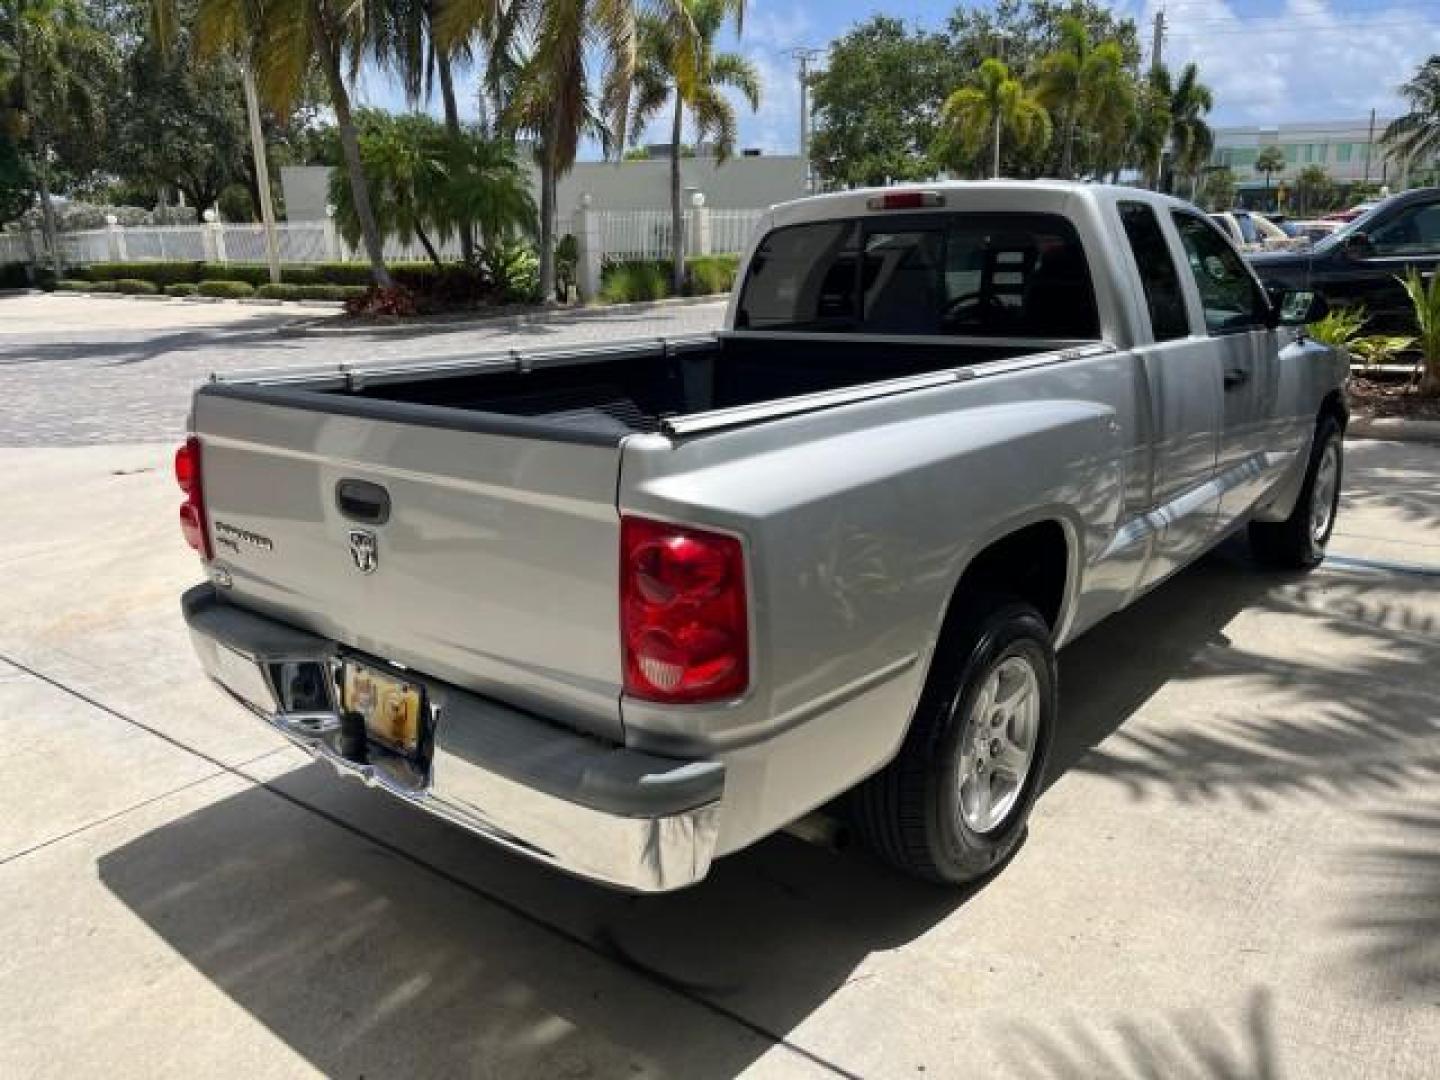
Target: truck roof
1053,196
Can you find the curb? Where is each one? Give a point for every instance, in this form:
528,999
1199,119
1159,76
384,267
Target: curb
325,328
1394,429
253,301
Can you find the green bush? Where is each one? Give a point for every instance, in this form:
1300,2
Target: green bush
71,285
182,288
14,276
637,279
135,287
229,290
44,277
290,291
101,287
157,273
707,274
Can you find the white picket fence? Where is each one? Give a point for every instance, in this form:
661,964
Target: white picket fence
623,234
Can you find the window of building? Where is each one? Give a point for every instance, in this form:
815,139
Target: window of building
1343,151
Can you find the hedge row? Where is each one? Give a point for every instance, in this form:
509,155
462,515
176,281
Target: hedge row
413,274
649,279
128,286
288,291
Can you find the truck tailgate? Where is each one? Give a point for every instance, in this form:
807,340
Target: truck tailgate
495,568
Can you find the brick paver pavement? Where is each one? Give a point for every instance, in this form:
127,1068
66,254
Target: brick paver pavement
77,371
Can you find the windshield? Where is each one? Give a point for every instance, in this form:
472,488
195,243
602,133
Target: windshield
1336,238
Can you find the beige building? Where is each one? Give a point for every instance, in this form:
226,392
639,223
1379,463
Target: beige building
741,183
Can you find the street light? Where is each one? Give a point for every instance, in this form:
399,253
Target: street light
1001,36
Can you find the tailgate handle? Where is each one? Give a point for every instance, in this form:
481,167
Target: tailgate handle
360,500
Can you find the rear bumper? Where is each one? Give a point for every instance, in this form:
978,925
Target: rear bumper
624,818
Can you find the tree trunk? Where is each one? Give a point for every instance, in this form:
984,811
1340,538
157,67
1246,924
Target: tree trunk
350,148
677,213
427,245
452,125
52,231
547,222
1067,159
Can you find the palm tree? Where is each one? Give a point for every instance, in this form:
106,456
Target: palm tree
405,42
1416,135
427,183
1191,139
676,59
281,39
995,102
1152,125
1270,159
1081,79
49,50
546,94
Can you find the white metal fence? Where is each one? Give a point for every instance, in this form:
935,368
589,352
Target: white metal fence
623,234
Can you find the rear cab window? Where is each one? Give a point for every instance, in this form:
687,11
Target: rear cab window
966,275
1164,295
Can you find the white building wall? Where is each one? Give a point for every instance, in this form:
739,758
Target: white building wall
742,183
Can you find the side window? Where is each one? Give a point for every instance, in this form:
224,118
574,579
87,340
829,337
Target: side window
1164,296
1231,298
1413,231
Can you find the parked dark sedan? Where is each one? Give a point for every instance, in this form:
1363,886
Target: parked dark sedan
1359,264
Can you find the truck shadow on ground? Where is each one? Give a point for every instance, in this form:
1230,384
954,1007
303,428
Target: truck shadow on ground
371,939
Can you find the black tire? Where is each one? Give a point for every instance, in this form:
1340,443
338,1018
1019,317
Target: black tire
911,813
1295,543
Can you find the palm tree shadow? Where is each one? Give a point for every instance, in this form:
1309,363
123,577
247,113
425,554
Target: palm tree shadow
304,890
1193,1044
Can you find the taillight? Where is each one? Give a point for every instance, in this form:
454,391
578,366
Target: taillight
682,613
192,510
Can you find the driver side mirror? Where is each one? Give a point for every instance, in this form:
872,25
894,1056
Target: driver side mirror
1299,307
1358,246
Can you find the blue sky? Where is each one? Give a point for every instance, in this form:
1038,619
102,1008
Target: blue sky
1268,61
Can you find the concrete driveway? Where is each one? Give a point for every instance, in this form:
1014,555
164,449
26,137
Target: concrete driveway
1234,871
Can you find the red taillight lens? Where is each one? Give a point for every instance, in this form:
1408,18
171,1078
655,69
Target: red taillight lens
192,510
683,621
906,200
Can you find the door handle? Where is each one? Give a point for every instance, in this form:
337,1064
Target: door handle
1236,377
360,500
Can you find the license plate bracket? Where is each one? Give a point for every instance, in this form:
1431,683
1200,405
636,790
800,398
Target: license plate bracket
392,706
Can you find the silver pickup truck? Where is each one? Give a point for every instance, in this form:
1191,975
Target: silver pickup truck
628,608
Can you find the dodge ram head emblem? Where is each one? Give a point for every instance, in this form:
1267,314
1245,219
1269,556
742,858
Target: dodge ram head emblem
364,550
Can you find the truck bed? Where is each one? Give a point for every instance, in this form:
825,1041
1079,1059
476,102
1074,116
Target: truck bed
613,391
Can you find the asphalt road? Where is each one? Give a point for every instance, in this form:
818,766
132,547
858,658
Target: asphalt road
1234,870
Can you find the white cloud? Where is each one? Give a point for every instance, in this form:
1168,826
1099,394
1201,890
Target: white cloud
1308,61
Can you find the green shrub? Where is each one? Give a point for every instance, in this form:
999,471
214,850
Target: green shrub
135,287
101,287
157,273
707,274
230,290
14,276
71,285
638,279
291,291
44,277
1339,327
513,272
182,288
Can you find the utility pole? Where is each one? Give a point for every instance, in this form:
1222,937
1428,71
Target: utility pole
1157,40
1000,36
803,56
262,172
1369,143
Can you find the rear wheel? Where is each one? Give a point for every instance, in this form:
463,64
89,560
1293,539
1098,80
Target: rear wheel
1299,541
953,803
